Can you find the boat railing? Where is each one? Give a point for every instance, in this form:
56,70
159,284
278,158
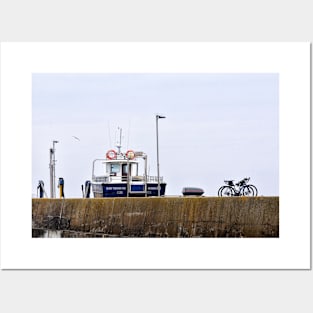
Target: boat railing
154,179
100,179
106,178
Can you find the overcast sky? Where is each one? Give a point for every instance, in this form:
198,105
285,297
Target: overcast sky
217,126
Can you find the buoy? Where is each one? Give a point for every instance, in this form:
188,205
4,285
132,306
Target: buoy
111,155
130,154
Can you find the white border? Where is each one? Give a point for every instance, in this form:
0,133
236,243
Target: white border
290,251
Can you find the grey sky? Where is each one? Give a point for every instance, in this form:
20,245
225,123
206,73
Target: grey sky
217,126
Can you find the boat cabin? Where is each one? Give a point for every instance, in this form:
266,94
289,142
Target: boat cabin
118,167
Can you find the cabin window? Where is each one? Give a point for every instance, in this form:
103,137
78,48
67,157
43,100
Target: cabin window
115,168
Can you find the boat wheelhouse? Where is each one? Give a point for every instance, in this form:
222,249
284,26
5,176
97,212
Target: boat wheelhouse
118,176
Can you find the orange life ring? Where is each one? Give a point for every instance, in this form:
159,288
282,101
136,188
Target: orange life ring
111,155
130,154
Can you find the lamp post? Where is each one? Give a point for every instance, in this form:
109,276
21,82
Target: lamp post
52,169
157,117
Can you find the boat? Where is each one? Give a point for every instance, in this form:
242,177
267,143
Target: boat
118,176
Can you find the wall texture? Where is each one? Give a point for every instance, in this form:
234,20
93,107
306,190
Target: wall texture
158,217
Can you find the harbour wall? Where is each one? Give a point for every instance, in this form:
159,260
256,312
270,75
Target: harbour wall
157,217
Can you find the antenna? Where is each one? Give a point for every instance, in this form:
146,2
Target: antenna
109,134
119,143
128,134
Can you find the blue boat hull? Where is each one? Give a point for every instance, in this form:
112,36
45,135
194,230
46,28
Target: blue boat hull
121,190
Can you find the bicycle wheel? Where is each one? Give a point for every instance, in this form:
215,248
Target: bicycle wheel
227,191
255,190
247,191
219,193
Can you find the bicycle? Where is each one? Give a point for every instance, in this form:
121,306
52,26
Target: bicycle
239,189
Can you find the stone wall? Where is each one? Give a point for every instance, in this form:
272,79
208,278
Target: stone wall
159,217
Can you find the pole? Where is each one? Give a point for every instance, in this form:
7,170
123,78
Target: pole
52,169
158,165
157,139
51,172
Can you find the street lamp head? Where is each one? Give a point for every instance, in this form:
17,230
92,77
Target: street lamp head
161,116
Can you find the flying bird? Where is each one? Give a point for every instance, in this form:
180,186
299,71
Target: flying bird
76,138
